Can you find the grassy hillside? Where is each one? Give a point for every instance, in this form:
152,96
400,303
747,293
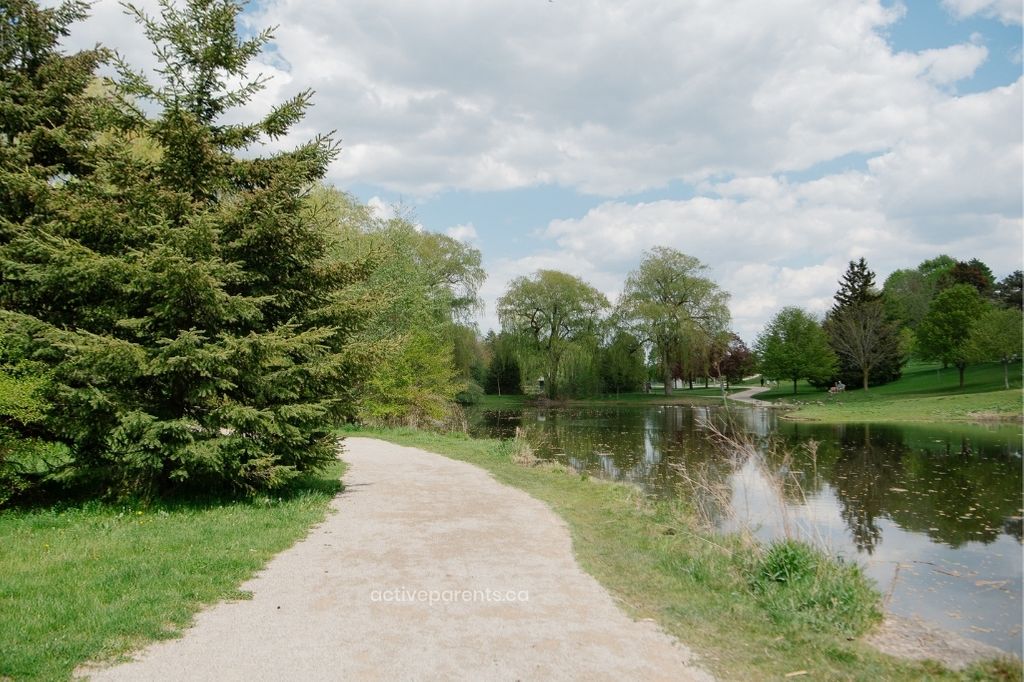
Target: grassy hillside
925,392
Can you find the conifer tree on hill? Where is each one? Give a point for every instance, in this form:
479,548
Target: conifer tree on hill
188,310
865,340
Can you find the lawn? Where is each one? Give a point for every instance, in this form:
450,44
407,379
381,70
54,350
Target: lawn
703,587
925,392
90,582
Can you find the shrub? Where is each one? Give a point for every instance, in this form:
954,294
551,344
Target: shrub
799,585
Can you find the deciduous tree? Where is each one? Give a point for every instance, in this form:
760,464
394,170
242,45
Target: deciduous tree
945,332
996,336
667,297
794,346
551,311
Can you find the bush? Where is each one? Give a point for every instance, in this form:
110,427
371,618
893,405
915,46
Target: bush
800,585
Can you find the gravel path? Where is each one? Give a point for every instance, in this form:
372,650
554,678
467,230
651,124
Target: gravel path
747,396
344,603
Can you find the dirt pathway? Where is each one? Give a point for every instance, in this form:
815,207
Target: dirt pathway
345,603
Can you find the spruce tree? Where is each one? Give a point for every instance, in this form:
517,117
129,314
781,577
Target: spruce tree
864,338
186,305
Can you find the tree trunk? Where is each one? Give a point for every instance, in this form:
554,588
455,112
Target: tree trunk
794,386
961,366
1006,373
668,375
865,372
705,381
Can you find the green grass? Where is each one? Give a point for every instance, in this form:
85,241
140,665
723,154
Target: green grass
925,392
91,582
721,595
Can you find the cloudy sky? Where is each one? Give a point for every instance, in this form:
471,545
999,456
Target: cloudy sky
775,140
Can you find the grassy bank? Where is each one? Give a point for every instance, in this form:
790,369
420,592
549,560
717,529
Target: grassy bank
925,392
748,613
697,396
90,582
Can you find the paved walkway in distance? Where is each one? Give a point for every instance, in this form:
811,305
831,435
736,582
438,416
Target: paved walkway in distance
747,396
410,520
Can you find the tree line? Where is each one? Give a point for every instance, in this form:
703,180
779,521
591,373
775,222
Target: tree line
945,310
671,324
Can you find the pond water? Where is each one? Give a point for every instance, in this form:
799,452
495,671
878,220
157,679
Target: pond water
934,512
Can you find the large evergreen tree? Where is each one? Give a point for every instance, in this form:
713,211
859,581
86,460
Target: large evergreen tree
186,307
860,331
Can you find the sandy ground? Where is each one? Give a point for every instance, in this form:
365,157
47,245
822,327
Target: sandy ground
344,603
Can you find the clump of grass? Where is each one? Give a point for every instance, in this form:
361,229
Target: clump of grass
797,584
520,452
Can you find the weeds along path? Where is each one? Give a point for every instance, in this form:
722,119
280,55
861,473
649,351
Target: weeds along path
429,569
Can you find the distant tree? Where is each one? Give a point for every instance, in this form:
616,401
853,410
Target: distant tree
503,374
996,336
737,361
622,364
972,272
667,297
856,286
794,346
1008,292
934,269
865,340
944,333
551,311
907,295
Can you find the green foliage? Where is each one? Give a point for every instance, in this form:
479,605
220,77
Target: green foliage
185,308
996,336
412,293
856,286
672,307
944,333
972,272
794,347
1009,292
622,364
860,330
907,294
551,313
797,584
503,374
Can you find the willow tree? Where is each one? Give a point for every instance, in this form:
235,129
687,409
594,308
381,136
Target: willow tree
669,299
551,312
186,308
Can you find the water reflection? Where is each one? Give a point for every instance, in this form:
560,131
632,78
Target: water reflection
933,511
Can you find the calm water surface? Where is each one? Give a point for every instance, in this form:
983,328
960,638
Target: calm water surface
933,512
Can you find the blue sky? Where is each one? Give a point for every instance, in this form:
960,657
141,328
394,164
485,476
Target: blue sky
774,141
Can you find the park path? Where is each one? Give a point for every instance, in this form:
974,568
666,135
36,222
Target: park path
410,520
747,396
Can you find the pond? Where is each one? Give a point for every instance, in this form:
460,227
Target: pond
934,512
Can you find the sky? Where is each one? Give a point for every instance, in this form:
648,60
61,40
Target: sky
775,141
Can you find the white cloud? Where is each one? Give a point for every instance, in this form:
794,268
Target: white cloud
616,97
605,97
464,233
1006,11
